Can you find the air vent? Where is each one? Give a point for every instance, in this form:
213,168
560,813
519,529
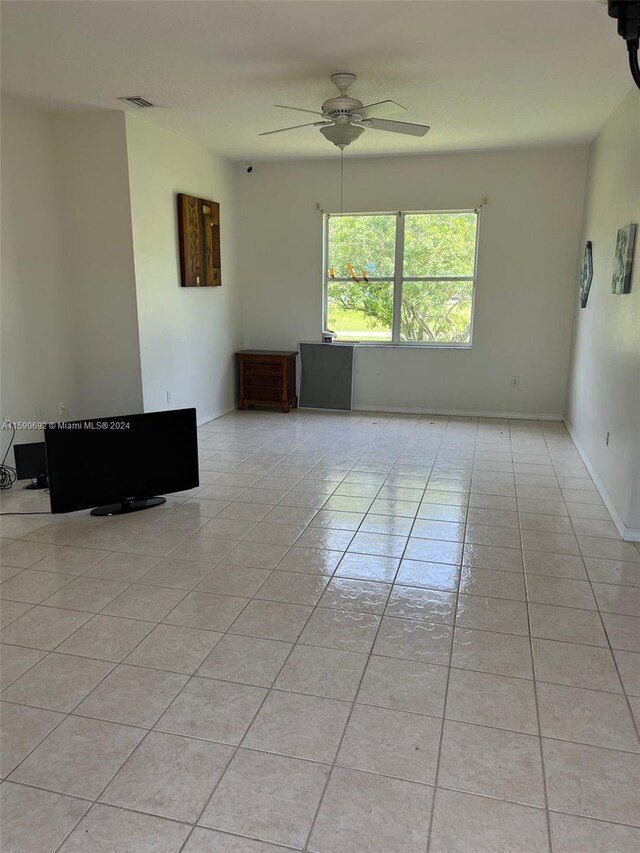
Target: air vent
138,101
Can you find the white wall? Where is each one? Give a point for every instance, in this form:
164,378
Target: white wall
101,303
36,369
604,386
187,335
83,321
529,238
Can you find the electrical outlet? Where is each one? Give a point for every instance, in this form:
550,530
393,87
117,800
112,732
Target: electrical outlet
515,381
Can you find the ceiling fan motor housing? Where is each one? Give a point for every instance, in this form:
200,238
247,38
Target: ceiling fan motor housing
341,108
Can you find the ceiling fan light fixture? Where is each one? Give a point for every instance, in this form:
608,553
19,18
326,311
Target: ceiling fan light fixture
341,134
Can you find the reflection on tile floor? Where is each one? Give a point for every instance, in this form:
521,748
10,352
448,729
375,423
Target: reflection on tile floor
364,633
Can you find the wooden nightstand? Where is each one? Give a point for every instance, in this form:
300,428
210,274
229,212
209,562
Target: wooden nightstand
267,378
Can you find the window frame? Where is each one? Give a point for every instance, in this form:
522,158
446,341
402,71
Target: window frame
397,280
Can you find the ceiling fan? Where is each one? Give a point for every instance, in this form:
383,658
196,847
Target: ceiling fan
344,118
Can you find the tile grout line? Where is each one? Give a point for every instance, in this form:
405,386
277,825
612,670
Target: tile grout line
444,708
537,706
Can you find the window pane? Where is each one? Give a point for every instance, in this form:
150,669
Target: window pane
365,242
436,312
439,244
360,311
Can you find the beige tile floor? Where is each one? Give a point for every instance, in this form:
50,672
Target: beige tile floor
363,633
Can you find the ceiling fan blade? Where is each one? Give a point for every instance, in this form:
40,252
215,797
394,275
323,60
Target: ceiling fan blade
382,108
398,126
294,127
297,109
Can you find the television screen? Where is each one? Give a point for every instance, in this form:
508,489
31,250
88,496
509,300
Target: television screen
31,460
121,462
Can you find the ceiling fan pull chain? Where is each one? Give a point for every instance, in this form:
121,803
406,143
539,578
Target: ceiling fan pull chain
341,177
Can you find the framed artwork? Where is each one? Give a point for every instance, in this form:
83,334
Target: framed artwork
621,281
586,274
199,239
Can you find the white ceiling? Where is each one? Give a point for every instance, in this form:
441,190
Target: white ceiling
482,74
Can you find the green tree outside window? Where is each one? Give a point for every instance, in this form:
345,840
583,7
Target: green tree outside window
434,272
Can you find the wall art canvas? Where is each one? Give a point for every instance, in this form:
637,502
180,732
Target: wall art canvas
199,239
621,282
586,274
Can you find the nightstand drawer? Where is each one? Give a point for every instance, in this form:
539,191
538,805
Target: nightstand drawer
258,380
262,393
261,368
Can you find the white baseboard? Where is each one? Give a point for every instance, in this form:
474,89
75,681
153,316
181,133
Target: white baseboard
629,534
323,409
217,414
467,413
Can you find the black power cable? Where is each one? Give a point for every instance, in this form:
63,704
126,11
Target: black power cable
8,474
627,13
44,512
633,62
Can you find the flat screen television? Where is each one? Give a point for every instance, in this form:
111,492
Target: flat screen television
121,464
31,463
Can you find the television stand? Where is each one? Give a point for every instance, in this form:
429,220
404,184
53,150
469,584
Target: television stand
39,482
127,506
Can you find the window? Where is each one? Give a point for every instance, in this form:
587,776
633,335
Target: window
401,278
